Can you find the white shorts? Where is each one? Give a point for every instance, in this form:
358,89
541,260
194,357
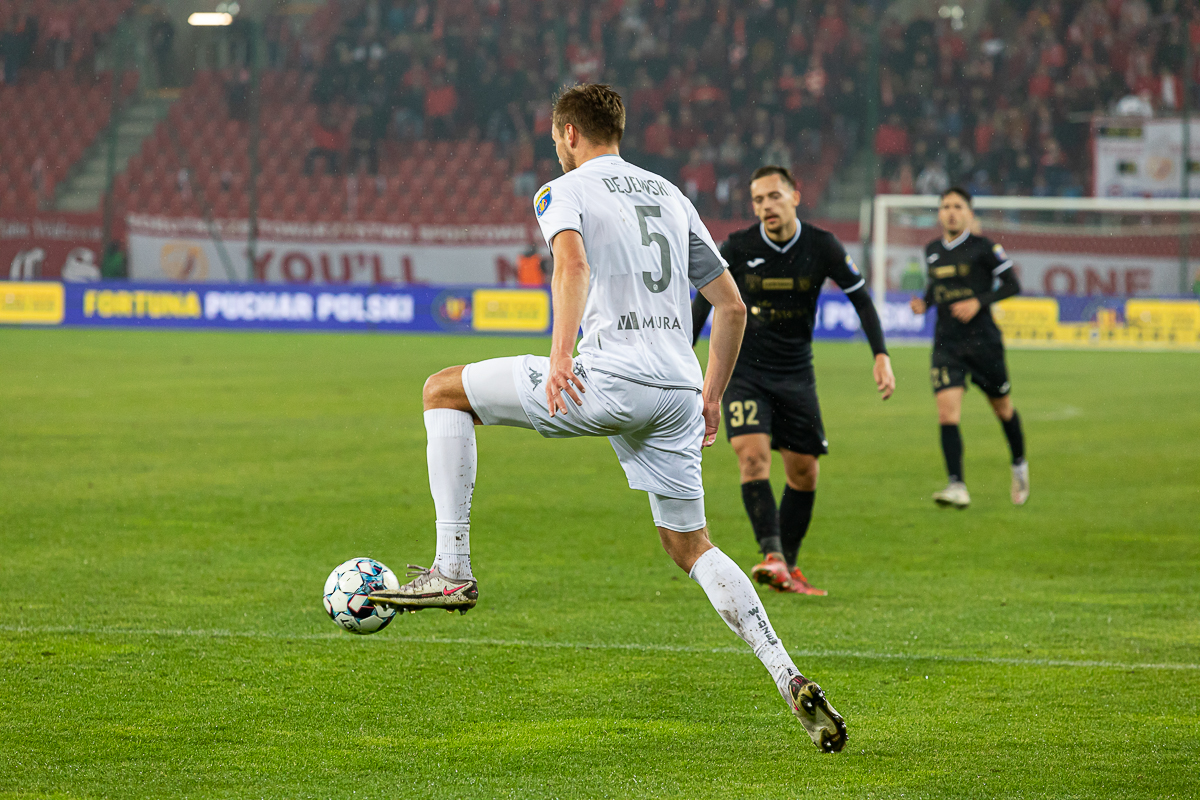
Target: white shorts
657,433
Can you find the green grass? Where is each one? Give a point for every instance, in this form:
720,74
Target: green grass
172,503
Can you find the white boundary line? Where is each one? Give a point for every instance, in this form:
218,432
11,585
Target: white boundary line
633,646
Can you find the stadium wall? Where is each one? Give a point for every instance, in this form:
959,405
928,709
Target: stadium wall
363,253
51,245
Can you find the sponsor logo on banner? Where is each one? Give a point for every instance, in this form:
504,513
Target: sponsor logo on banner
510,310
31,303
125,304
452,311
184,261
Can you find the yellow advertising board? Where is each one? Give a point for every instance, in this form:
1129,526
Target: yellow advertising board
1164,320
1027,318
33,303
511,310
1148,324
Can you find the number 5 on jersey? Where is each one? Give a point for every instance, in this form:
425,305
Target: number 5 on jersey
664,249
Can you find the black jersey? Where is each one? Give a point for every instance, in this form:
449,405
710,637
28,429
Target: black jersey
779,284
970,266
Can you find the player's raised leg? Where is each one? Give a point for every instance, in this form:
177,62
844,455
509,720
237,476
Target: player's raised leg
753,452
949,405
1010,421
795,512
734,598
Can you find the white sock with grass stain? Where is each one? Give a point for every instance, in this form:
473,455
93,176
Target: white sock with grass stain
733,596
451,456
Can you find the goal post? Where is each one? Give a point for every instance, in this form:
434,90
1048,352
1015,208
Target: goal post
1090,257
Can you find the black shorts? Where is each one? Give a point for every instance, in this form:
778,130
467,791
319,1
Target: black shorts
983,360
784,407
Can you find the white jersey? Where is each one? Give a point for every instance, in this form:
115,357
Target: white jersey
645,243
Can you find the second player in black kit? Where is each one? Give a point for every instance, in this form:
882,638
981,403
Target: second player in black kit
970,266
967,274
773,391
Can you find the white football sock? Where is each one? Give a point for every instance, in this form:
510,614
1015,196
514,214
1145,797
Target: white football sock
451,457
734,598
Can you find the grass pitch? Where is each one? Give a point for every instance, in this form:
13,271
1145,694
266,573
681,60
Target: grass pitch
172,502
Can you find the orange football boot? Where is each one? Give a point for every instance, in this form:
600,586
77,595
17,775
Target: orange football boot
800,584
773,572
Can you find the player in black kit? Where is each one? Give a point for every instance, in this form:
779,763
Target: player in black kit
967,273
780,266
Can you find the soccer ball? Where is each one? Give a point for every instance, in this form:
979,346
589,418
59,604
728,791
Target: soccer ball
346,593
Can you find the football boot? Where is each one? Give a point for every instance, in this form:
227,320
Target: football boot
1020,483
800,584
825,726
429,588
955,494
773,571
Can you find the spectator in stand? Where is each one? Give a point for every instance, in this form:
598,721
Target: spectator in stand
778,153
237,93
364,141
525,181
958,161
328,143
441,101
932,180
891,144
656,145
59,35
11,43
1020,177
699,178
162,46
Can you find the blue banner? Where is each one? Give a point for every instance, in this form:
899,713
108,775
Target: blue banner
281,307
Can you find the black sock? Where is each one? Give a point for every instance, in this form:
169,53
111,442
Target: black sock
795,512
760,506
1015,436
952,449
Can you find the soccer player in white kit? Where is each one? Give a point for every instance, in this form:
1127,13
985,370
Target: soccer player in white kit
626,245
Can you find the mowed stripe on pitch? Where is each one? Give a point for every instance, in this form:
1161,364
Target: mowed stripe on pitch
634,646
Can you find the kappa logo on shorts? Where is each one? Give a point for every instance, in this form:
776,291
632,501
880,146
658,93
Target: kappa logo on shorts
580,371
535,377
542,201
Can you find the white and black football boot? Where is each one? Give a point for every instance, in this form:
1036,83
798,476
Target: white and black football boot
429,589
825,726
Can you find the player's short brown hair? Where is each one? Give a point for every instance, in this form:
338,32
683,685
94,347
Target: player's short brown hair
772,169
594,109
961,192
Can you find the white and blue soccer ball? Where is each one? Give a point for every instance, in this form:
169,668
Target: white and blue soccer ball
346,593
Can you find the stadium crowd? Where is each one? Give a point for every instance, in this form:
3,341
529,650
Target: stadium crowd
718,87
714,88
